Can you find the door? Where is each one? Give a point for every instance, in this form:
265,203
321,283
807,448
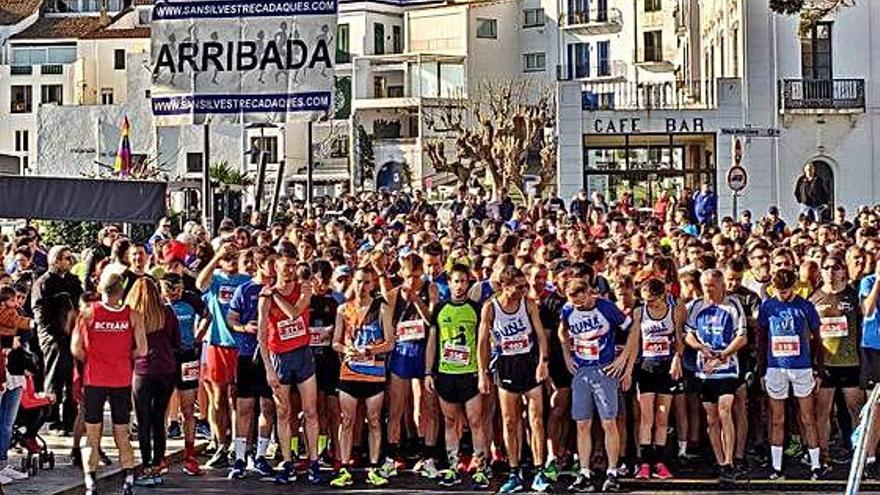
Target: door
603,65
826,175
579,60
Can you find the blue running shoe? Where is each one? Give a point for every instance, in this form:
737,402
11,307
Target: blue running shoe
315,477
262,467
285,475
513,484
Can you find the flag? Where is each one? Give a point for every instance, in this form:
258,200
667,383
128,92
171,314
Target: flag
122,165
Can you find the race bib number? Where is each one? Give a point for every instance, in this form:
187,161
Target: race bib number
459,355
224,295
360,360
834,326
586,349
656,347
410,330
785,346
291,329
515,344
189,371
320,336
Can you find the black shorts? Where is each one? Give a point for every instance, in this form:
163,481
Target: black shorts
516,373
294,367
559,374
250,381
120,404
841,377
712,390
657,381
326,369
456,389
361,390
870,368
689,383
189,368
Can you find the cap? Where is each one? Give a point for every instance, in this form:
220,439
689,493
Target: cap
342,271
174,251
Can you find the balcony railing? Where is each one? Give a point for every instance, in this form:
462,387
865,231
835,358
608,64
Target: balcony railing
600,96
52,69
613,69
595,18
21,70
822,94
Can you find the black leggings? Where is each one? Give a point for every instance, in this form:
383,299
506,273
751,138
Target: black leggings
151,396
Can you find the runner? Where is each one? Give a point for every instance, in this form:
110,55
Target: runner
511,325
108,335
452,359
869,294
364,334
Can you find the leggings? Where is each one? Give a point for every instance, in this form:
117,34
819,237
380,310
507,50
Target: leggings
151,396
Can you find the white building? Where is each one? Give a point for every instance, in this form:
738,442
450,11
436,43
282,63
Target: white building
755,71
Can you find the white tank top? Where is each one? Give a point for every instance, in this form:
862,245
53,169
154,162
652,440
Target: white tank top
658,336
512,331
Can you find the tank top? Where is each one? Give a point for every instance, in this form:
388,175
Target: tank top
361,331
109,338
322,320
287,334
511,332
658,339
457,337
409,326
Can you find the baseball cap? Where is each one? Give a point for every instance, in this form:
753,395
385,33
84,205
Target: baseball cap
342,271
174,251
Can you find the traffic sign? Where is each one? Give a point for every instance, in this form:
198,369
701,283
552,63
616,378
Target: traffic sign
755,132
737,178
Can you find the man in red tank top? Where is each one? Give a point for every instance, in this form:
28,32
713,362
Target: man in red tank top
103,340
283,335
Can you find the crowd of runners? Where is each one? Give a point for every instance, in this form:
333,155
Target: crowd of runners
481,340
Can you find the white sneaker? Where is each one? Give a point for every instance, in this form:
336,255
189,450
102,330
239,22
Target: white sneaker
12,473
5,480
427,469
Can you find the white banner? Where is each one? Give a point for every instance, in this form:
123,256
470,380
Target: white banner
232,61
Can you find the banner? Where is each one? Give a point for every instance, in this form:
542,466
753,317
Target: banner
234,61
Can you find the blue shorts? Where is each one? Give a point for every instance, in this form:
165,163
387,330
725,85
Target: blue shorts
294,367
592,388
408,360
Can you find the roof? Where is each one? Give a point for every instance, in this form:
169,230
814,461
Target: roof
14,11
109,33
59,28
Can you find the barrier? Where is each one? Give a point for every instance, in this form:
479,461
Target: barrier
858,465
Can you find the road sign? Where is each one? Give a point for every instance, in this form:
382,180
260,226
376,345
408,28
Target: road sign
755,132
737,178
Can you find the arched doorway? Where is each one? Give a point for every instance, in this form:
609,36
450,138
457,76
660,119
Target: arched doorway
390,176
826,174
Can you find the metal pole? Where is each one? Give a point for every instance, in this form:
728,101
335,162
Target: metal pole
276,196
861,449
261,171
735,213
206,180
309,167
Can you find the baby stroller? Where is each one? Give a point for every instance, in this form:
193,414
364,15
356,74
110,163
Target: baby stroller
31,415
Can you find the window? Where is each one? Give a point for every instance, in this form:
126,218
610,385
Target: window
260,145
534,62
653,48
734,56
487,28
106,96
144,17
52,93
816,52
43,55
579,60
22,141
21,99
603,65
378,38
653,5
396,39
119,59
343,49
533,18
193,163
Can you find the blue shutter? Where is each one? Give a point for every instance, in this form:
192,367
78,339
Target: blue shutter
604,68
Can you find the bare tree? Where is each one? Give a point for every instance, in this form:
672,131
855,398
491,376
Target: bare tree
495,130
810,11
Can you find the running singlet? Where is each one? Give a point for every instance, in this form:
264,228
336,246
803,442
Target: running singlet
870,329
839,315
245,302
322,321
109,340
367,331
287,334
657,340
592,332
457,325
408,356
511,332
186,318
217,297
716,325
788,325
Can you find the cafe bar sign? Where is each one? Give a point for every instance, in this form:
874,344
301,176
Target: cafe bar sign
635,125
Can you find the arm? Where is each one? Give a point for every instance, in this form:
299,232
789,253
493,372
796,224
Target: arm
78,343
263,339
487,317
431,347
206,274
302,304
9,318
203,326
738,343
388,330
869,303
543,346
233,320
140,335
564,340
338,344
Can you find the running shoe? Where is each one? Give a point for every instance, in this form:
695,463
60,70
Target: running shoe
76,458
644,472
12,473
219,460
375,478
238,470
726,475
612,484
301,466
551,471
661,472
203,430
513,484
449,477
871,472
582,484
343,479
191,467
146,480
776,475
285,475
795,447
499,462
540,483
426,468
163,467
104,459
623,469
174,431
820,473
480,479
388,469
315,477
262,467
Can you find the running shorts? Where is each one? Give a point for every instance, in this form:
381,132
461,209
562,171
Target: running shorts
188,370
870,368
361,390
294,367
713,389
516,373
326,369
841,377
220,364
456,389
778,380
120,404
656,382
251,382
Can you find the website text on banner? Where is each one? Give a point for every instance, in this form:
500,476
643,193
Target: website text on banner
233,61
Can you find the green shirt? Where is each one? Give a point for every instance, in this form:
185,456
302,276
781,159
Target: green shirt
457,325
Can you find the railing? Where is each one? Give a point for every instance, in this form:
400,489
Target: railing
343,57
595,16
866,422
52,69
21,70
614,68
837,94
648,96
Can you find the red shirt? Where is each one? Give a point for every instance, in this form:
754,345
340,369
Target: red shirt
287,334
109,339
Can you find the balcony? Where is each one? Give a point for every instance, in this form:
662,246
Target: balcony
21,70
614,70
594,21
52,69
654,60
610,96
814,96
406,80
